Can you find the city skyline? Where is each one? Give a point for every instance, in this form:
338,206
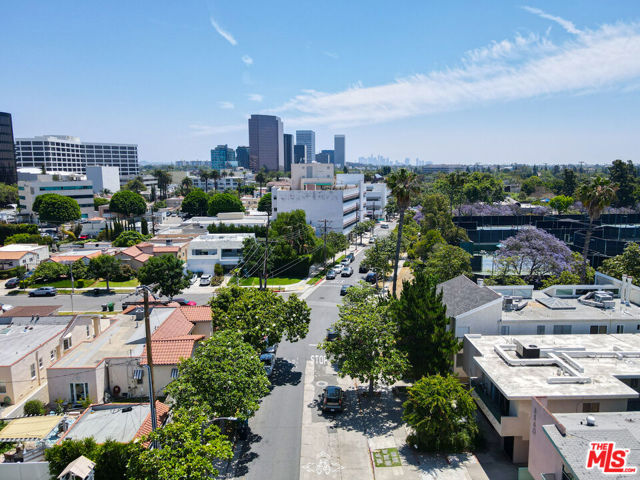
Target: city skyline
533,82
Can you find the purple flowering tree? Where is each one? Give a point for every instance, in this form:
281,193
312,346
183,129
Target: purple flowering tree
533,252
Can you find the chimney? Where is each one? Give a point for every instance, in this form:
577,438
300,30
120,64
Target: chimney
96,326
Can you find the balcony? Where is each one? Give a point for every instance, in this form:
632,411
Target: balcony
504,424
350,195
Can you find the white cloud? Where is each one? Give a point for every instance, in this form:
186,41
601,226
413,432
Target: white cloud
199,129
330,54
566,24
226,105
223,33
247,60
518,68
255,97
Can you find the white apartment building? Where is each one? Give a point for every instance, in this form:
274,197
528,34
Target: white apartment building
68,185
224,183
376,197
59,153
205,251
26,255
572,373
104,178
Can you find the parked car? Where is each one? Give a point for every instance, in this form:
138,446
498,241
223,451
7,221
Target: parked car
193,279
345,263
332,334
337,268
205,280
351,257
271,349
347,272
4,307
331,274
343,290
372,239
332,399
185,302
12,283
363,268
384,225
371,277
268,361
44,292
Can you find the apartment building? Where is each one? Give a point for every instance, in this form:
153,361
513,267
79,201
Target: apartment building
73,186
376,199
57,153
205,251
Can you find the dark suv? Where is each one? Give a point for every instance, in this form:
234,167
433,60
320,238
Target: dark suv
332,399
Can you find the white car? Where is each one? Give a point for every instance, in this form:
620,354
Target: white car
338,268
372,239
205,280
5,307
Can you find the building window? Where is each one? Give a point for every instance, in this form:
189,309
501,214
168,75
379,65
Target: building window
66,344
504,330
598,329
3,387
40,363
540,330
52,355
561,329
79,391
619,328
33,371
591,407
174,373
88,331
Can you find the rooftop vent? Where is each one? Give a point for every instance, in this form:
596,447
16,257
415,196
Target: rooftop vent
598,299
527,351
591,421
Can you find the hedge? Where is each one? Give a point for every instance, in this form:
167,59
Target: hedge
12,272
8,229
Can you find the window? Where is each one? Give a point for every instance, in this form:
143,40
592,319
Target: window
33,371
561,329
40,363
592,407
540,330
598,329
459,359
504,330
79,391
88,330
66,344
3,387
619,328
52,355
174,373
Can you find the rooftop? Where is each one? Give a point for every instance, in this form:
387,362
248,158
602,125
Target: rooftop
29,428
222,237
124,338
175,325
596,360
169,351
619,427
20,247
16,341
116,421
29,310
461,295
201,313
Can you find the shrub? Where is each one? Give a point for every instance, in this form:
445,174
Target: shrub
9,229
128,239
34,407
218,270
80,283
126,273
13,272
215,281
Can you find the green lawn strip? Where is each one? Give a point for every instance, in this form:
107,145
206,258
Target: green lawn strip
255,281
60,284
129,283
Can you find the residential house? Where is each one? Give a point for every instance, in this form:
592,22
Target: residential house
205,251
26,255
68,257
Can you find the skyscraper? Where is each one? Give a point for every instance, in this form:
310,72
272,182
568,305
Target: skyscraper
222,157
288,151
266,144
242,156
8,171
299,153
339,150
325,156
307,138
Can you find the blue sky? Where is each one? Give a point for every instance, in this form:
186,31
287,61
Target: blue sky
466,81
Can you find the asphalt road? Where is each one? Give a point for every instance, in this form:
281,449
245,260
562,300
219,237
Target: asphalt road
273,448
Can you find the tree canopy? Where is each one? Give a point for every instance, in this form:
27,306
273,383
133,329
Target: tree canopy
196,203
128,203
166,273
261,315
128,238
225,374
8,194
447,261
561,203
135,185
55,208
224,202
104,266
627,263
366,346
264,205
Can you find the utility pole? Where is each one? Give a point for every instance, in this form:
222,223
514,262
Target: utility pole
266,255
324,250
147,331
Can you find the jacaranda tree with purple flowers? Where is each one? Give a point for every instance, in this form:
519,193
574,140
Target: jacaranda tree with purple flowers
534,253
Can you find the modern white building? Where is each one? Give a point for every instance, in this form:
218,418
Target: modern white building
68,185
58,153
376,196
312,176
104,178
26,255
308,139
205,251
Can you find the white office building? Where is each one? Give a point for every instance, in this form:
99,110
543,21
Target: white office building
104,178
73,186
57,153
376,196
205,251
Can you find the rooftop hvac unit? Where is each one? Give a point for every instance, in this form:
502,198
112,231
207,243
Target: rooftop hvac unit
609,304
602,296
527,351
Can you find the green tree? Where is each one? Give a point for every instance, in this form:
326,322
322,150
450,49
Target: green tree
569,182
623,174
191,449
128,204
205,175
215,176
166,273
79,269
8,194
436,215
164,180
424,247
260,178
186,186
48,272
28,238
530,185
595,195
452,185
112,460
379,257
391,208
336,242
627,263
225,374
34,407
404,186
441,412
366,345
135,185
99,201
561,203
105,267
292,227
144,226
483,187
447,261
264,205
261,315
59,456
224,202
55,208
128,238
196,203
424,332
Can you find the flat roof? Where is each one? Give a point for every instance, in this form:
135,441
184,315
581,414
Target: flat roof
124,338
29,428
522,382
29,310
537,312
619,427
16,341
21,247
104,422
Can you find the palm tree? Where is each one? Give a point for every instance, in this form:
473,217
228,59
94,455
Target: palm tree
404,186
260,178
164,179
205,175
595,196
215,175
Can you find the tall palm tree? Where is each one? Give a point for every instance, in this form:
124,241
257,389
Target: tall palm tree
205,175
404,186
215,175
260,178
595,195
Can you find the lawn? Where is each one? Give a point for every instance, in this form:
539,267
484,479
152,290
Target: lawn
129,283
60,284
255,281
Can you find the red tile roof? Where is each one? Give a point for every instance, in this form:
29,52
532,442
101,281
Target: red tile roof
143,257
12,255
165,249
162,412
131,251
144,244
31,310
170,351
197,314
73,258
175,325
